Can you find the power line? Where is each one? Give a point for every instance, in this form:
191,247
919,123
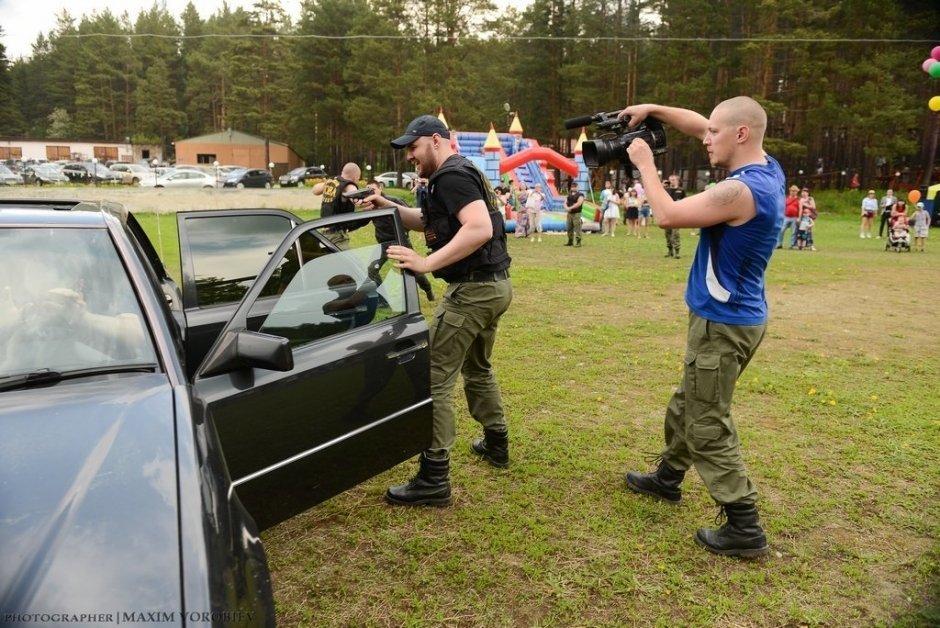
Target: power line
576,38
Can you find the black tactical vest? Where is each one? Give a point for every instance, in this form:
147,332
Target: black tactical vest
440,226
333,200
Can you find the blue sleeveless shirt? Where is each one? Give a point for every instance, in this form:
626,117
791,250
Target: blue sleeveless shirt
726,281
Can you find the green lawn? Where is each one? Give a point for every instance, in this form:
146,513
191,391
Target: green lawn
840,423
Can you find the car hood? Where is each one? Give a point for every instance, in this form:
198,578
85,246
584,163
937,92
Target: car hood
88,497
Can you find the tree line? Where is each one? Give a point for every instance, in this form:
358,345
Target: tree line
840,80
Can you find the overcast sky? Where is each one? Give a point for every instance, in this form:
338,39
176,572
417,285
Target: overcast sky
23,20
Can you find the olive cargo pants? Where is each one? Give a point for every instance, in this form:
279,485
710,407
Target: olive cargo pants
699,429
462,336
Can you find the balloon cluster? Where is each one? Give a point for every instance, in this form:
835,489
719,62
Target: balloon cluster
931,66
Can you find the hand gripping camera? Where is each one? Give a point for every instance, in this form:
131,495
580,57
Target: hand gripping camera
616,137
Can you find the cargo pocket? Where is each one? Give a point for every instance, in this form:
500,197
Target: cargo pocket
447,325
706,433
707,376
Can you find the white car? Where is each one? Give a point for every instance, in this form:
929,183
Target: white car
185,179
390,179
133,173
8,177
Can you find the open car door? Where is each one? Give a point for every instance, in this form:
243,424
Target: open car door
320,379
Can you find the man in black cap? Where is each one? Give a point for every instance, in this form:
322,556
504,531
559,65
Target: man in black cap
465,231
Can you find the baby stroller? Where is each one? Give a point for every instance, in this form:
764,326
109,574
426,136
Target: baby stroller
899,239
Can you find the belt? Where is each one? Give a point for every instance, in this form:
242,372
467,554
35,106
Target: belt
479,276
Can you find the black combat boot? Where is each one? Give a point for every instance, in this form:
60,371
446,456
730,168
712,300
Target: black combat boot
494,447
741,535
431,486
568,243
675,253
577,243
669,254
663,483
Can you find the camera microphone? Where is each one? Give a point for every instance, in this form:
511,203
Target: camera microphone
573,123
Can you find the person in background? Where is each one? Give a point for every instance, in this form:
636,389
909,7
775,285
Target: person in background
676,193
534,204
573,204
807,201
612,213
887,204
804,238
335,203
421,191
739,221
791,217
386,236
869,207
921,228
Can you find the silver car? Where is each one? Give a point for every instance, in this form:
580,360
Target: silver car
8,177
186,179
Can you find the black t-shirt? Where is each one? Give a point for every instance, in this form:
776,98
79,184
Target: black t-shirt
677,194
572,199
455,190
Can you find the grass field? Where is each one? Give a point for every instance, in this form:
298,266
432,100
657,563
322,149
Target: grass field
840,422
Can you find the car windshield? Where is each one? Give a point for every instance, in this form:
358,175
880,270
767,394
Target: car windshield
5,170
297,171
75,310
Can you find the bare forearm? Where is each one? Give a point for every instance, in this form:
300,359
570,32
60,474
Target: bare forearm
684,120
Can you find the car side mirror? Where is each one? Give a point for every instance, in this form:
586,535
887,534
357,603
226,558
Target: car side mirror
249,349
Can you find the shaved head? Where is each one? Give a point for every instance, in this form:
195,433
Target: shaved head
743,111
351,171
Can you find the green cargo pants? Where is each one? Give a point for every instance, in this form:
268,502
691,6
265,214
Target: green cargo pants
462,336
699,429
672,241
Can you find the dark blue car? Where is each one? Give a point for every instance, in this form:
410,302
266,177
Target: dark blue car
148,430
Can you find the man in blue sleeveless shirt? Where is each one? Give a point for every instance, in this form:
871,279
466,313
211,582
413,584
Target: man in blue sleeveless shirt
739,221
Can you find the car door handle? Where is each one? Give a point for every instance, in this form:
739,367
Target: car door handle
408,353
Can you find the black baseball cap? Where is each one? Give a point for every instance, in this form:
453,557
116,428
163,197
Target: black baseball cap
422,126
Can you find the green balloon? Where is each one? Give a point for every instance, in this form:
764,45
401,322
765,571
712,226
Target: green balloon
935,70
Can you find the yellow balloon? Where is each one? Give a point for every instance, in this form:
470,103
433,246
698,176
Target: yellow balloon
934,103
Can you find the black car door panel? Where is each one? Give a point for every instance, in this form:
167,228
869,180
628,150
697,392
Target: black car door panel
221,252
357,399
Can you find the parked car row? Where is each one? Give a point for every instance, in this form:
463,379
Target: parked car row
187,176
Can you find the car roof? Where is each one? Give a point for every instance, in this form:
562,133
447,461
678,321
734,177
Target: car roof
52,212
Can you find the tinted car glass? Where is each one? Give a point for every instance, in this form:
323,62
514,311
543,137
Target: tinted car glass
225,255
331,291
75,310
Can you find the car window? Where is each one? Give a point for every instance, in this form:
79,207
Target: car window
76,309
226,255
323,291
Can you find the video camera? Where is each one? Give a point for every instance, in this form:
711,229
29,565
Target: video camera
614,142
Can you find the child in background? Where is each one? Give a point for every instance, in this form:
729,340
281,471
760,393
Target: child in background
921,227
804,232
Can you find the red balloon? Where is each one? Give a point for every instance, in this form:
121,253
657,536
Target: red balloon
935,53
913,196
925,66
